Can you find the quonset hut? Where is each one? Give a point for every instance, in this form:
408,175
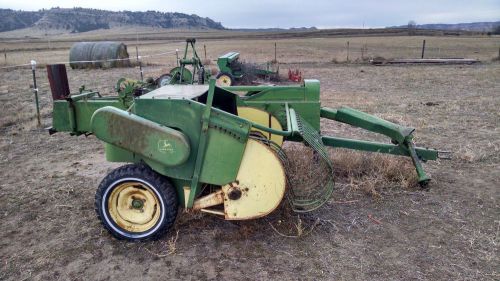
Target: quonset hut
81,54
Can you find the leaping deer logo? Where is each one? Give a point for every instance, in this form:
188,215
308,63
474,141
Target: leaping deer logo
164,146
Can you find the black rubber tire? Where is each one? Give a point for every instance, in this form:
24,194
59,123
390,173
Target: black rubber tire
164,80
201,76
228,75
165,194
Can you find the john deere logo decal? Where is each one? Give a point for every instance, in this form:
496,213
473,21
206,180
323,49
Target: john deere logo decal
165,146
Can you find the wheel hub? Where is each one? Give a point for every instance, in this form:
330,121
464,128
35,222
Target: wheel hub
137,204
134,206
224,81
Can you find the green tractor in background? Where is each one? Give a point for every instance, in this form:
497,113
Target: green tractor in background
231,69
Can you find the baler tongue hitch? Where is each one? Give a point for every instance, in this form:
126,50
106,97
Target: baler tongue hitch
401,137
212,150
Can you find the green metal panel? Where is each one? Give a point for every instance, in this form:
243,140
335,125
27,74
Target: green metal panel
328,113
141,136
117,154
423,153
227,135
179,185
176,114
227,139
74,116
181,75
61,116
230,56
224,61
303,99
312,89
372,123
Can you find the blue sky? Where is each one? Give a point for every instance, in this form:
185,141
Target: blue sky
295,13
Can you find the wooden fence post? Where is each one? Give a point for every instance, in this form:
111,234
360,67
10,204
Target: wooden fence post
275,52
35,91
423,48
347,51
139,61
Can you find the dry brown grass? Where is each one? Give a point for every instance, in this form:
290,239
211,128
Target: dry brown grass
360,171
371,172
473,153
293,227
289,50
164,248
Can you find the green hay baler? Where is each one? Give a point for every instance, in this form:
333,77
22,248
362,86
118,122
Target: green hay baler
207,148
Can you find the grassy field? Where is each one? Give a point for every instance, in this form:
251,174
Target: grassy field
256,47
377,226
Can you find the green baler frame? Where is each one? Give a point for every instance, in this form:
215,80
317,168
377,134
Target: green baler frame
208,128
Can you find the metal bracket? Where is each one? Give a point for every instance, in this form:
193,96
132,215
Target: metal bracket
447,155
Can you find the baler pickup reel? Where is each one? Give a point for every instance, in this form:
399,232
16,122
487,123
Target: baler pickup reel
213,149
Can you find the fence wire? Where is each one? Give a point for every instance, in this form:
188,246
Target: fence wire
137,58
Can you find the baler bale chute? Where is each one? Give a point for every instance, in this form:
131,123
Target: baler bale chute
207,148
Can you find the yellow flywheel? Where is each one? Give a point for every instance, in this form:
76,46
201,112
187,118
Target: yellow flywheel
134,207
260,184
263,118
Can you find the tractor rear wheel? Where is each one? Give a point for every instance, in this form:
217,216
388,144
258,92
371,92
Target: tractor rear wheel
135,203
224,79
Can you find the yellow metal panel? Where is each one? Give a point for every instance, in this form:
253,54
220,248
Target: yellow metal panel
263,118
187,191
259,186
213,199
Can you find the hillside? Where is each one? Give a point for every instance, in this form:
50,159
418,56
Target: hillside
81,20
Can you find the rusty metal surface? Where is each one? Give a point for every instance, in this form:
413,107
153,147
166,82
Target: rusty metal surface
58,80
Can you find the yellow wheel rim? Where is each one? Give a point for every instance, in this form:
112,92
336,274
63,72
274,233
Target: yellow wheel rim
224,81
134,206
